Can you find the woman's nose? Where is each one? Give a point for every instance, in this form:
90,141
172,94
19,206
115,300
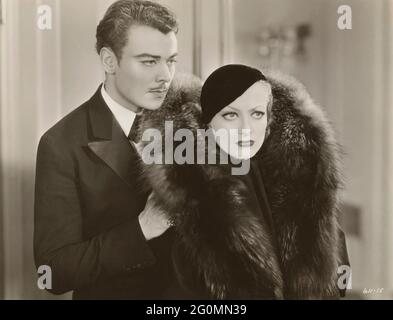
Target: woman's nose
246,123
245,130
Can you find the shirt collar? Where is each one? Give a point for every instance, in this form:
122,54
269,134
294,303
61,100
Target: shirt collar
123,116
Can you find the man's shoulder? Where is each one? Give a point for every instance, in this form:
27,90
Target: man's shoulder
72,128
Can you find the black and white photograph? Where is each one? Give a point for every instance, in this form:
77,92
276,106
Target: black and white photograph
198,150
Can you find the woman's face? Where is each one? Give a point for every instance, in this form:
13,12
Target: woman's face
240,127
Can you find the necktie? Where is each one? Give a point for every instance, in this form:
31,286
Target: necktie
134,134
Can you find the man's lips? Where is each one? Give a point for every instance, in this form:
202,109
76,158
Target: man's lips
159,90
245,143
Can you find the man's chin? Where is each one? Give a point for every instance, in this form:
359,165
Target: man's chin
154,105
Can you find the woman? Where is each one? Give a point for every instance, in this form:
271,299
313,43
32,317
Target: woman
273,232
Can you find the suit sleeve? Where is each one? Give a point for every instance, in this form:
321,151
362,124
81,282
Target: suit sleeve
58,243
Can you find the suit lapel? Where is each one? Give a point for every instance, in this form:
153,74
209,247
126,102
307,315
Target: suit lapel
108,141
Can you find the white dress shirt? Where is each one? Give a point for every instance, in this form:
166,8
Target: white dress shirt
123,116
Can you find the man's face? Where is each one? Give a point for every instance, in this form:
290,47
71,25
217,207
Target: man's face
146,68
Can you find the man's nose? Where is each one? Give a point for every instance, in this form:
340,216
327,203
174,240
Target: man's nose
164,74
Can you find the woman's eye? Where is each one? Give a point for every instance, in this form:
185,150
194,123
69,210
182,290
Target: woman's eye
258,114
230,115
149,62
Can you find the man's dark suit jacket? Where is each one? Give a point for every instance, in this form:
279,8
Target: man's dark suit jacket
87,202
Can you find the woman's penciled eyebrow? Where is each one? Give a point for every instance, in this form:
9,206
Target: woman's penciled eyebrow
233,108
258,106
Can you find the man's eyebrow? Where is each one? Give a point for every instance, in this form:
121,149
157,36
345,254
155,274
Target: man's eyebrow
147,55
152,56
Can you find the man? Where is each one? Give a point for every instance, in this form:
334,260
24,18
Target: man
94,226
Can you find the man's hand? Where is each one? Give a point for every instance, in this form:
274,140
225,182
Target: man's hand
153,221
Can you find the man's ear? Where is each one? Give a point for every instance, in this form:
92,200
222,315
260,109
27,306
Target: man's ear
108,60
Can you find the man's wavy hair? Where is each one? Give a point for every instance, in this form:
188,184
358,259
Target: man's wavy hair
112,31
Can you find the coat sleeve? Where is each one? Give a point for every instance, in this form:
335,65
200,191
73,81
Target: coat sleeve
58,242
